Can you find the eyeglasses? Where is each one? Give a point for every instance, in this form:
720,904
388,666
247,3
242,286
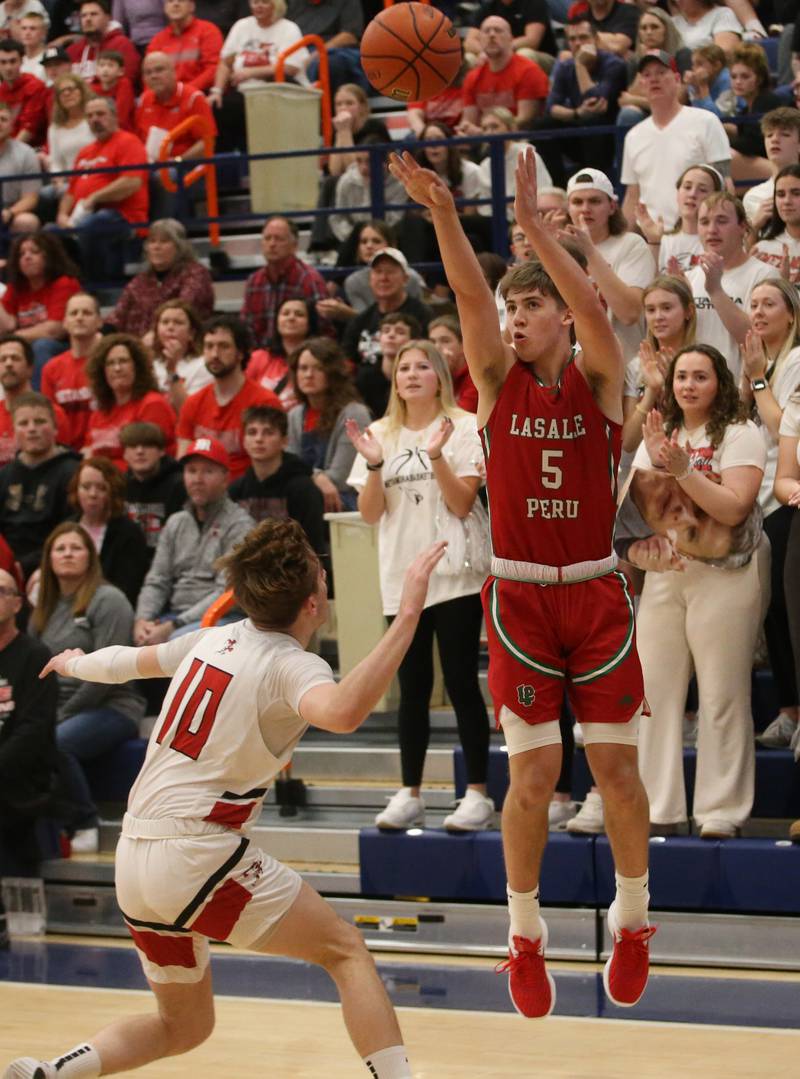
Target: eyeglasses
8,593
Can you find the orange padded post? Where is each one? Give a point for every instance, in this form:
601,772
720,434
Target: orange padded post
206,132
218,608
323,83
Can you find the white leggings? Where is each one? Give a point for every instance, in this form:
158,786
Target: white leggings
710,617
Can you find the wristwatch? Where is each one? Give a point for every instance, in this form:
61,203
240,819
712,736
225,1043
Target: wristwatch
757,384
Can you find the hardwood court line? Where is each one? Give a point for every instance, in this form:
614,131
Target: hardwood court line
405,1009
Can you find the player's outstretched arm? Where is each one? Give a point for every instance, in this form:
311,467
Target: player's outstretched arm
118,663
488,357
343,707
602,356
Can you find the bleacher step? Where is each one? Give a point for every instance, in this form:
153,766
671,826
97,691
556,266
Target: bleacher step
366,762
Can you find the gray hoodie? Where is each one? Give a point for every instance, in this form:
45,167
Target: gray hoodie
182,579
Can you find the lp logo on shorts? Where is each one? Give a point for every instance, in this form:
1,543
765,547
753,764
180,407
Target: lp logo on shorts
526,695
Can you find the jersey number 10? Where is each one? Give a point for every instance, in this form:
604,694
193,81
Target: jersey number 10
190,737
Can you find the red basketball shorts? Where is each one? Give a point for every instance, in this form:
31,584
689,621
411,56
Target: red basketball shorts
545,639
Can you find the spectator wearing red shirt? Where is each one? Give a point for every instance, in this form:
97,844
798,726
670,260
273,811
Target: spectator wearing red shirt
111,81
504,78
64,379
284,277
164,105
101,207
100,34
16,367
216,411
41,279
445,333
120,374
25,95
193,44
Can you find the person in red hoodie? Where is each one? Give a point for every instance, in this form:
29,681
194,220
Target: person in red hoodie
100,34
25,95
164,104
111,81
194,44
101,207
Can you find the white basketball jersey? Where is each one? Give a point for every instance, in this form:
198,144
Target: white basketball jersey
228,724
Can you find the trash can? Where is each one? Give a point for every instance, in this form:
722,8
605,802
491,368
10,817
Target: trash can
360,622
282,116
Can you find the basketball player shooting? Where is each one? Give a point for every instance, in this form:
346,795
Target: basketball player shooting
558,613
241,697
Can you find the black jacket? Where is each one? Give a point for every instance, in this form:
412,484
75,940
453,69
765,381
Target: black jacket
33,501
125,557
150,502
289,492
27,724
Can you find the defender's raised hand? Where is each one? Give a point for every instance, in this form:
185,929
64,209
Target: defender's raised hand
422,185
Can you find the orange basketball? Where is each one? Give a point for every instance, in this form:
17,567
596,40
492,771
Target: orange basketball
410,52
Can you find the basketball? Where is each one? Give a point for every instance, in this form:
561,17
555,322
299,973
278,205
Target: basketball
410,52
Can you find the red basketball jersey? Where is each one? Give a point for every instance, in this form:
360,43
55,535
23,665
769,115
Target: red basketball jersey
551,468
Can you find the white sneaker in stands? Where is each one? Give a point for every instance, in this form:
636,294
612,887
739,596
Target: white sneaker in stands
86,841
475,812
779,733
403,811
559,813
590,819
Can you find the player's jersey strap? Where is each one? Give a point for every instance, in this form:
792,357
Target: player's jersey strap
536,573
511,646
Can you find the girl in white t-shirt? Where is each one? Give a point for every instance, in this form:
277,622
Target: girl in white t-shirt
682,242
704,591
704,22
770,376
418,464
248,60
671,320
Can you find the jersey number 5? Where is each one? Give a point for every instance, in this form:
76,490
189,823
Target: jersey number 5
552,476
190,736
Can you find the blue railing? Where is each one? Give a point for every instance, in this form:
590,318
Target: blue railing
498,199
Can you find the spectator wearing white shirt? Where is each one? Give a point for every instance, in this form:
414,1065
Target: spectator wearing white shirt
247,61
67,134
496,121
658,150
681,243
33,37
779,245
618,261
704,22
781,131
771,360
722,281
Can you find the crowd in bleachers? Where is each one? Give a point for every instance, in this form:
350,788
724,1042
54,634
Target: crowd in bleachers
141,438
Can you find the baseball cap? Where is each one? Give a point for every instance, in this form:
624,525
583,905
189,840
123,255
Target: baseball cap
597,181
53,54
210,450
390,253
662,57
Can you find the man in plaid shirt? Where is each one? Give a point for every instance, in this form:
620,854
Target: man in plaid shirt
285,277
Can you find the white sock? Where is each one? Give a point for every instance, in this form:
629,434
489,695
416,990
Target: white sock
523,910
391,1063
631,901
82,1062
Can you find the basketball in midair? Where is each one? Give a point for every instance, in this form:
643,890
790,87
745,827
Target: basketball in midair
410,52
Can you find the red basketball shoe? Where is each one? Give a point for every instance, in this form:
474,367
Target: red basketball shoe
531,988
625,973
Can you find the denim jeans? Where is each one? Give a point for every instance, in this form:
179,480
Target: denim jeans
102,237
83,737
